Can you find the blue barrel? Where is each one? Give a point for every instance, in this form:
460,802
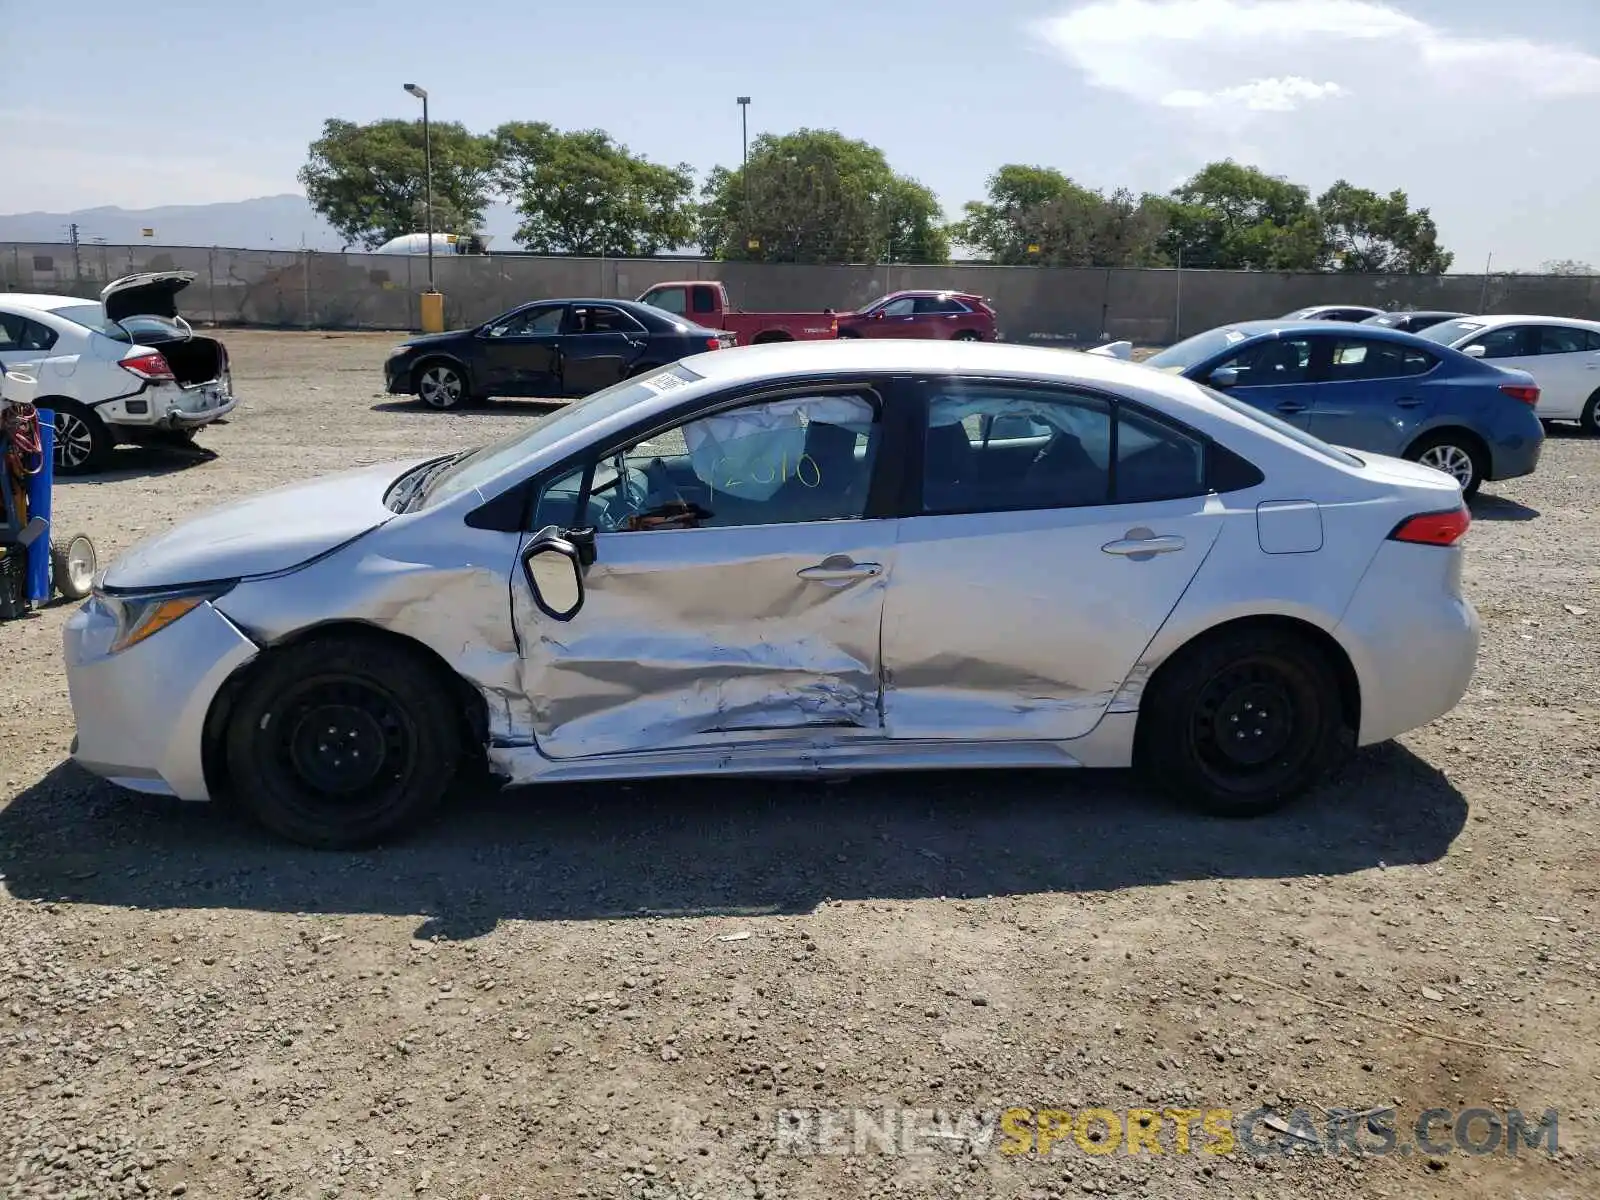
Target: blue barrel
39,506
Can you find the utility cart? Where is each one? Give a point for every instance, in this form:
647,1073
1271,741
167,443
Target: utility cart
35,565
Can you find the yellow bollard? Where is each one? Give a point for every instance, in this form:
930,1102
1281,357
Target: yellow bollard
432,312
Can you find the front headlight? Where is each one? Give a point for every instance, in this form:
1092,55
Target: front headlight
142,615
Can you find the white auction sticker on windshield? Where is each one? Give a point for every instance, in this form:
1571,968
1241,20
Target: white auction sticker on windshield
1233,335
664,382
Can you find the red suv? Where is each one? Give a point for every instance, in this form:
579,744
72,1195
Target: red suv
951,315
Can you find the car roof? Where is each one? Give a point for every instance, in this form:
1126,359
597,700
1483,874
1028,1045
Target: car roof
41,302
1299,325
926,355
1499,319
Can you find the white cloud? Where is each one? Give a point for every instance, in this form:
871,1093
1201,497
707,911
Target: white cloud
1259,95
1224,58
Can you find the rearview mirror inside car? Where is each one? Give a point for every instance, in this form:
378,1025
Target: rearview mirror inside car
1224,377
1476,351
555,576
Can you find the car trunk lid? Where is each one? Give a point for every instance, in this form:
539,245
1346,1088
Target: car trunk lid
148,294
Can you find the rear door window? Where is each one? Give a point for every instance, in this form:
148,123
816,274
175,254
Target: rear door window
705,300
18,333
1363,358
1559,339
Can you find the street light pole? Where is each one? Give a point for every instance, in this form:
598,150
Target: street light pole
744,127
427,160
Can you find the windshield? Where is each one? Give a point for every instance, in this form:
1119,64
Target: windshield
479,466
93,316
1176,359
1448,333
1292,432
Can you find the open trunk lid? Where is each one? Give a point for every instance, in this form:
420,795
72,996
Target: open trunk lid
150,294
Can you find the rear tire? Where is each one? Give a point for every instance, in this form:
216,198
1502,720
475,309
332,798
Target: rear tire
1590,420
296,740
442,386
1241,722
83,443
1455,452
967,335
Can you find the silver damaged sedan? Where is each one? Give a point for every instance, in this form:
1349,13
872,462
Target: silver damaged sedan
815,558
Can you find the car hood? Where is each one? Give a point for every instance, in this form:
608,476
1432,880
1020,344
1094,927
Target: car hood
438,339
262,534
151,294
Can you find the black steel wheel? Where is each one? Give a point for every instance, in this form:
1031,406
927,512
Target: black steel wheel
343,741
1242,722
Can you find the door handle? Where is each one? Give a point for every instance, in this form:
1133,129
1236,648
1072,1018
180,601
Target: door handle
1408,402
1138,547
1291,406
839,569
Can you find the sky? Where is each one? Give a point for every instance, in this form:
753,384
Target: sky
1480,110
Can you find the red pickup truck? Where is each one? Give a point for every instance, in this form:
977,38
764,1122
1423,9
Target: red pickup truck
706,302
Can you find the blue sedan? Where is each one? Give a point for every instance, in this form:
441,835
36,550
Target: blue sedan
1370,388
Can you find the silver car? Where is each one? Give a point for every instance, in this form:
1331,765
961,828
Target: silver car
815,558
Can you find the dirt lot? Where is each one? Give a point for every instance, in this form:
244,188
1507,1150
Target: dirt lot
610,991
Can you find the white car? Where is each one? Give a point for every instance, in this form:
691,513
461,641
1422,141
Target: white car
1561,353
126,368
796,559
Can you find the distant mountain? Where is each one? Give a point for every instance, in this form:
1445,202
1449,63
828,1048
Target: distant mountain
283,222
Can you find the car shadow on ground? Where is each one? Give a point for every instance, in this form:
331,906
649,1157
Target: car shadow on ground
141,462
487,408
1498,508
699,847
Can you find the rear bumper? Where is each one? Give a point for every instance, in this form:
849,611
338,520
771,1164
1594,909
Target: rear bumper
141,713
1516,452
1412,638
171,406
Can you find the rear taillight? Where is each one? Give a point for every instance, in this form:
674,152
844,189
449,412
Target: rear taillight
1434,528
1528,395
148,366
713,343
833,327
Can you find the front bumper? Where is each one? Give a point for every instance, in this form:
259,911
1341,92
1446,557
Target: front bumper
397,375
141,713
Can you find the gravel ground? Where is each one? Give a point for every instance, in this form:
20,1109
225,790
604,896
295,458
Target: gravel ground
612,991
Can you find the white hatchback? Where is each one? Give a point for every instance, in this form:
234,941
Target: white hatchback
1561,353
126,368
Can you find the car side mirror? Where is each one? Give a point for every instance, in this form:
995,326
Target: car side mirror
554,569
1224,377
1476,351
878,316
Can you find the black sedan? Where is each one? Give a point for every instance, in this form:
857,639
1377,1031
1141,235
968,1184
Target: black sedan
548,348
1412,322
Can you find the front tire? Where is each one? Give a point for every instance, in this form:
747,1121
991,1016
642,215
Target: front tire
83,443
1590,420
340,742
1242,722
442,386
1455,453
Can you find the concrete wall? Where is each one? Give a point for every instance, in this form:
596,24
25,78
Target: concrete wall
295,289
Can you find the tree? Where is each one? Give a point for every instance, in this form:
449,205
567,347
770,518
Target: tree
583,193
816,196
1372,234
1236,217
1071,225
370,181
1567,266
